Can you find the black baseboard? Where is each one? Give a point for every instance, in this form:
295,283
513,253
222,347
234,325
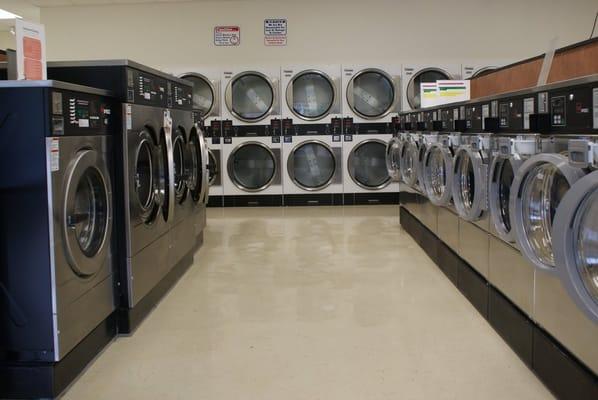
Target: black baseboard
215,201
370,198
511,324
313,199
130,318
259,200
48,380
560,371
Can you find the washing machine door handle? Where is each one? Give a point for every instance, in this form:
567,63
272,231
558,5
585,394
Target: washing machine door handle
159,177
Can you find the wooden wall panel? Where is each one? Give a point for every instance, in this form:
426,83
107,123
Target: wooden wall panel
568,63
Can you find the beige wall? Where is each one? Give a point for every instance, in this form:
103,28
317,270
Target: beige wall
172,36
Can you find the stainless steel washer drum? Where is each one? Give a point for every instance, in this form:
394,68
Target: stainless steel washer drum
408,163
438,174
575,242
538,188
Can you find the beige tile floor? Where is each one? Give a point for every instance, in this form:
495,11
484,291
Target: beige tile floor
310,303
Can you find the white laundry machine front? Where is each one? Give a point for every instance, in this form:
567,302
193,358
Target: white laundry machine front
312,145
413,75
371,100
251,149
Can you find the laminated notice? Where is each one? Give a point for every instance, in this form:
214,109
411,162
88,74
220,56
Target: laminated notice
54,154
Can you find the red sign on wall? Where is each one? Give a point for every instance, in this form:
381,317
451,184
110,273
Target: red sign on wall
227,35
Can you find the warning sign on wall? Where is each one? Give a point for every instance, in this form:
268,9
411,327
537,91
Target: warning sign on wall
275,32
227,35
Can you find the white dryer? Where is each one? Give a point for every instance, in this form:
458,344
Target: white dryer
312,145
371,99
251,150
413,75
472,70
207,106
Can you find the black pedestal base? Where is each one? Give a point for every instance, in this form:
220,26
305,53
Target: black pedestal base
350,199
315,199
259,200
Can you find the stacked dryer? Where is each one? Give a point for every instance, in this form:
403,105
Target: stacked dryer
413,75
371,97
207,108
157,176
312,148
251,128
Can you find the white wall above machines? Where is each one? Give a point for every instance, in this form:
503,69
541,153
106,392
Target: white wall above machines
169,34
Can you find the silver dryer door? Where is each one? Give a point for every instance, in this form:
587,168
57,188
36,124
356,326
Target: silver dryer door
502,174
252,166
575,242
539,186
470,182
251,96
198,180
87,212
372,93
367,165
312,165
393,158
204,94
438,174
311,95
424,76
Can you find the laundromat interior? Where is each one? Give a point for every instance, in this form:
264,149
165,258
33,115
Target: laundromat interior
268,200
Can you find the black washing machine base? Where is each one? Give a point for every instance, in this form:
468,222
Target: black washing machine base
214,201
27,380
560,371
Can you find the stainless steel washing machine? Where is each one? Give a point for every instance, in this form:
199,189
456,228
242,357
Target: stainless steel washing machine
57,264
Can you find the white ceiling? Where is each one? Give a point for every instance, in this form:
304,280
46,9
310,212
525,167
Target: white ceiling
59,3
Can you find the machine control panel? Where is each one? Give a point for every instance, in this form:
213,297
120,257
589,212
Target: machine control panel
573,110
80,114
146,89
179,96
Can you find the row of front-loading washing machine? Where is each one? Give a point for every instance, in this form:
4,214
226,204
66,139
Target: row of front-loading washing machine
306,135
510,184
103,192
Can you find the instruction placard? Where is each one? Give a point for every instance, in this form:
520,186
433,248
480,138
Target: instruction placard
227,35
275,32
31,50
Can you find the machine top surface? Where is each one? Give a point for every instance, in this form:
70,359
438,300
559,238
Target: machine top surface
56,85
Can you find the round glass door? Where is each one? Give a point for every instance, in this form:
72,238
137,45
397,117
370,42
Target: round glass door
438,174
179,165
393,158
312,165
408,165
87,213
371,94
148,178
538,188
502,175
427,75
213,167
252,97
203,94
576,243
469,183
168,177
196,179
367,165
252,166
144,175
313,95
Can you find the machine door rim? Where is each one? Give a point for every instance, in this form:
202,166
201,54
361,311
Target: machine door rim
447,157
480,172
230,167
228,96
352,172
291,165
392,82
289,94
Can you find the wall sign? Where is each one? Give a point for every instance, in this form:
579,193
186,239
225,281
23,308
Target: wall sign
227,35
275,32
31,50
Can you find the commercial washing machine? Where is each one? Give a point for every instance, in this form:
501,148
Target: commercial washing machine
413,75
370,98
189,167
410,190
58,254
539,187
207,106
145,176
312,145
251,129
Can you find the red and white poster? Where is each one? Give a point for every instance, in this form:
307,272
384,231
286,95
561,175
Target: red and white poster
31,50
227,35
